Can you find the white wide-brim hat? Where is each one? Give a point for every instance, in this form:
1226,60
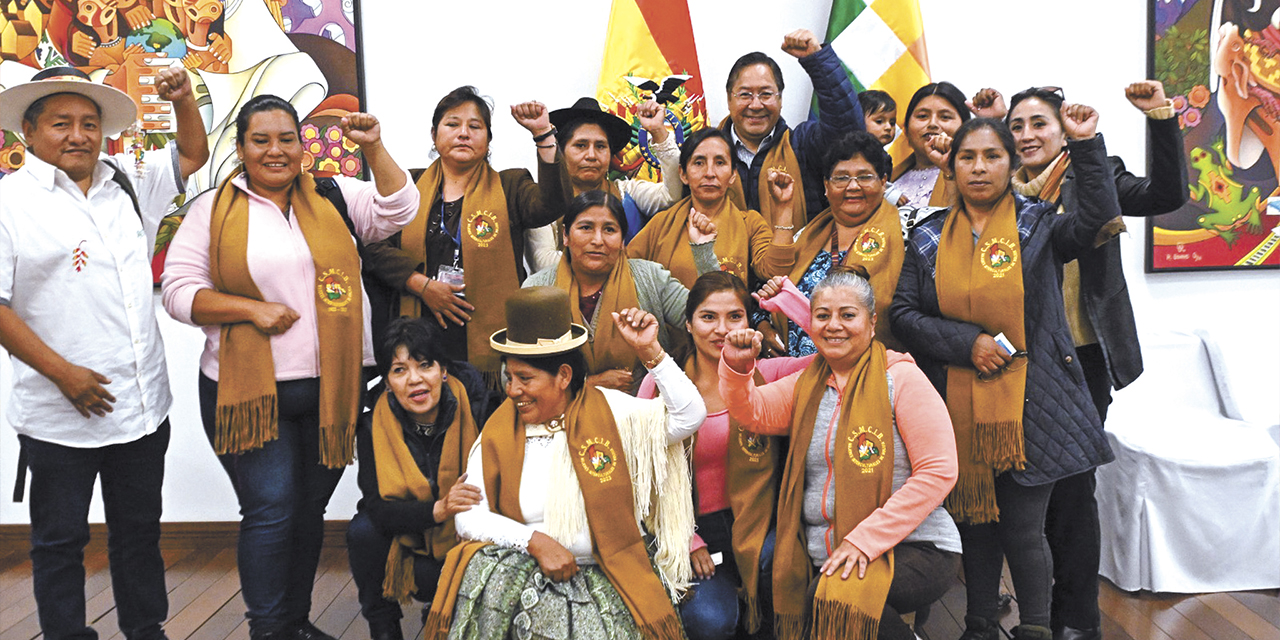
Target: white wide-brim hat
118,110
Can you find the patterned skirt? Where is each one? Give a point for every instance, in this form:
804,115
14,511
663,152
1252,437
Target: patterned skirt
505,596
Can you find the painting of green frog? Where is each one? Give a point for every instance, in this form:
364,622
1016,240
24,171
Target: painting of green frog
1229,205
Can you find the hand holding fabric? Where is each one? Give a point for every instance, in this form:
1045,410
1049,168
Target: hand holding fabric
461,497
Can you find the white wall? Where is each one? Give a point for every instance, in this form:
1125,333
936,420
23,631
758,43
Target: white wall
550,51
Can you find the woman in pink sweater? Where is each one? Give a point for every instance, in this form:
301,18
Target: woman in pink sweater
735,474
872,457
268,267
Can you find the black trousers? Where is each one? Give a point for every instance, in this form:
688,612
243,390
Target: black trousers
1071,523
1019,537
62,480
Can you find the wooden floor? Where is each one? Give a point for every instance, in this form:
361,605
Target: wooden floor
205,604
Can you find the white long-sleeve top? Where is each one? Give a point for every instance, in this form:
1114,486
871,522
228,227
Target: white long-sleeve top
685,413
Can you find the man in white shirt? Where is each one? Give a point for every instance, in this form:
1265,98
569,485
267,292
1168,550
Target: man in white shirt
90,389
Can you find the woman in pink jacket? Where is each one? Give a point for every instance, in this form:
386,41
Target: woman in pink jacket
735,473
861,535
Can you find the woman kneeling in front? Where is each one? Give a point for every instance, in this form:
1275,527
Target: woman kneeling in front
568,475
860,526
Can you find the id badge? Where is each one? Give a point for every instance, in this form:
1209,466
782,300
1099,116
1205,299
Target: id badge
451,275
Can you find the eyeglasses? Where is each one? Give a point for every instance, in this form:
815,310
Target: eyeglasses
865,180
766,96
1018,363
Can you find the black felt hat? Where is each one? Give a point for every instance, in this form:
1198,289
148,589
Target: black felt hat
615,128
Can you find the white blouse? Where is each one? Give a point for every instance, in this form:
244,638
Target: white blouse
685,413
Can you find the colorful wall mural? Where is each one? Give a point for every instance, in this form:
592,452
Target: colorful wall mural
302,50
1220,62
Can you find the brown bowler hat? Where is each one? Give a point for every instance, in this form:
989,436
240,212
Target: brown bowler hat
538,324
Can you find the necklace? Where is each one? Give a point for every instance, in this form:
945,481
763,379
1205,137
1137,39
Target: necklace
556,424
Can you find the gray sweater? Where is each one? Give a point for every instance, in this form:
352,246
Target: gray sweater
937,527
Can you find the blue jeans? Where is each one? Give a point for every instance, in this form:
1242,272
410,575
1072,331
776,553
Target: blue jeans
283,491
367,549
712,611
62,480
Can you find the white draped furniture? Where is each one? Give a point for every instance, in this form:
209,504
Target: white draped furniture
1192,502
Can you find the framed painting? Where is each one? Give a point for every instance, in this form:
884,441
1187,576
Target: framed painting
305,51
1219,61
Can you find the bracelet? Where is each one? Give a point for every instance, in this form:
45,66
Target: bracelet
547,134
650,364
790,227
545,146
423,290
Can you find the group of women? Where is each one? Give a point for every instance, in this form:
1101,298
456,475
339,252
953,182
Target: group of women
679,484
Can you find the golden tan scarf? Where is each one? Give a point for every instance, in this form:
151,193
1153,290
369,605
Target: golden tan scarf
488,261
603,473
606,349
248,414
665,240
982,284
863,474
436,626
944,192
878,246
751,477
779,157
1048,185
399,478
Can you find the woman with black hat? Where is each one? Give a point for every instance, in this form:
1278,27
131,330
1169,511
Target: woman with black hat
590,138
570,474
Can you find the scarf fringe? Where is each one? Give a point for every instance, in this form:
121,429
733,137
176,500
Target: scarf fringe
399,584
339,446
663,493
751,623
999,445
247,425
839,621
668,628
437,625
973,500
788,626
492,380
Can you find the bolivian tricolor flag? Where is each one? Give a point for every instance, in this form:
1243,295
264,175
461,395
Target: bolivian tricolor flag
649,51
882,45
